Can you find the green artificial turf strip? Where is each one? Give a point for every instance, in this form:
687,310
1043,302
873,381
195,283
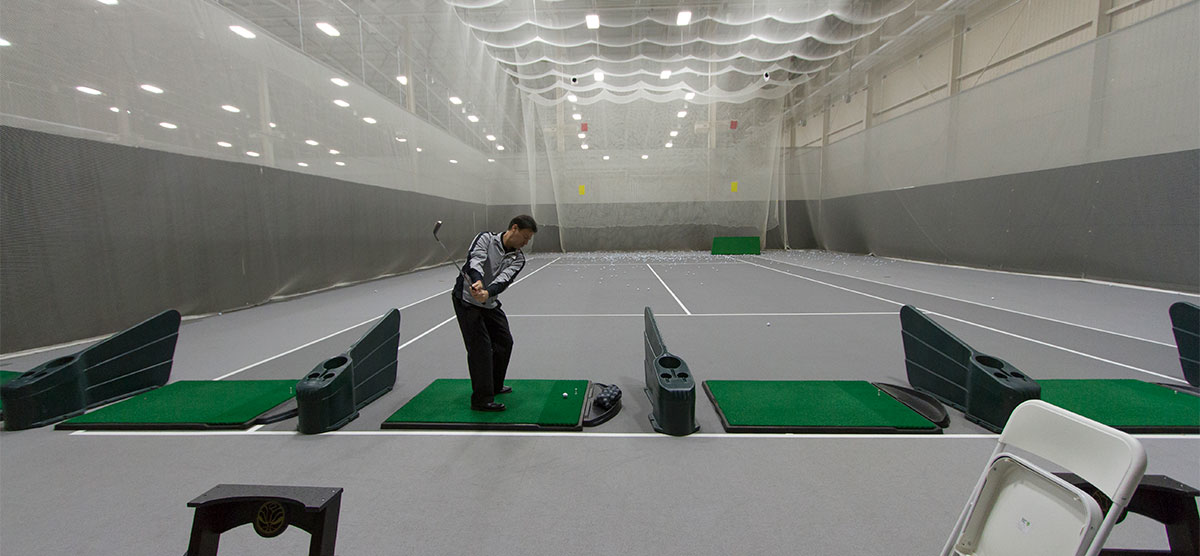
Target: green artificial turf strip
811,403
540,402
1124,402
212,402
748,245
6,376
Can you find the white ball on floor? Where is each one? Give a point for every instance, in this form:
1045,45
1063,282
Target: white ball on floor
768,324
564,394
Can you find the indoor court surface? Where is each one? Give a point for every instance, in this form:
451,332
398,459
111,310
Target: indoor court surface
618,488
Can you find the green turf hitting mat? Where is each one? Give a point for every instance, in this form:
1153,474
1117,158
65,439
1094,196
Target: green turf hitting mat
190,404
1132,406
6,376
812,406
532,405
748,245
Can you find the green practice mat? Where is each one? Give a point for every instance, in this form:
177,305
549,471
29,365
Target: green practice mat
812,406
1129,405
532,405
6,376
748,245
190,404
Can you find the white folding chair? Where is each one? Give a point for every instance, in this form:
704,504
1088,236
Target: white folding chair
1020,509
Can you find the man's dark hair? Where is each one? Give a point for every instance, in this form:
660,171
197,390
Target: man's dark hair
523,222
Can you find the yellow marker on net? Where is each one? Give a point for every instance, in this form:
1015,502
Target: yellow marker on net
733,187
581,190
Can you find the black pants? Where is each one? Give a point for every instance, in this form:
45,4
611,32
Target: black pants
489,346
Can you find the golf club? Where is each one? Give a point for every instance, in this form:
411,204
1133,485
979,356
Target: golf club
436,227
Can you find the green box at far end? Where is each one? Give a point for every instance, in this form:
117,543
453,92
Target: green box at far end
740,245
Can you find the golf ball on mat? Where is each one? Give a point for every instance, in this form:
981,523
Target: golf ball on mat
564,394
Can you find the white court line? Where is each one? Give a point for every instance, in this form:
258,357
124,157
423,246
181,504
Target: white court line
1039,342
424,333
823,283
639,315
660,280
344,330
1024,314
1066,278
575,434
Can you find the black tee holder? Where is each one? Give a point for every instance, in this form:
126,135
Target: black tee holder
330,395
271,509
986,389
127,363
669,385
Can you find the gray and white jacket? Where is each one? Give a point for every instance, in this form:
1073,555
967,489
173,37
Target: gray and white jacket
493,264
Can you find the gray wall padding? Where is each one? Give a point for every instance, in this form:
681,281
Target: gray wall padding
1134,220
97,237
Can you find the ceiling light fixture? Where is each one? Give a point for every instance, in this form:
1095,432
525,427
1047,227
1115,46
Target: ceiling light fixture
491,160
593,21
225,144
402,140
666,74
244,32
341,103
252,154
4,42
151,89
113,109
683,18
230,108
328,29
674,134
455,100
682,114
584,146
491,137
339,82
88,90
272,124
571,97
312,142
473,118
302,164
599,75
369,120
577,116
403,79
669,144
452,161
605,157
334,151
108,2
168,125
689,96
645,156
340,163
418,149
582,135
499,147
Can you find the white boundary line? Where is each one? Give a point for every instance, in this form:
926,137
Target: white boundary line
1039,342
660,280
594,435
876,297
639,315
425,333
1048,276
373,319
1031,315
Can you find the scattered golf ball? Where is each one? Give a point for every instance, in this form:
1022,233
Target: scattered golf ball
768,324
564,394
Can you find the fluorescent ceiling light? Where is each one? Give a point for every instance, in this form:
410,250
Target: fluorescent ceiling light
491,160
341,103
645,156
334,151
491,137
168,125
402,140
455,100
252,154
328,29
499,147
369,120
674,134
340,163
418,149
473,118
577,116
403,79
108,2
605,157
669,144
272,124
151,89
312,142
113,109
689,96
4,42
225,144
244,32
683,18
571,97
340,82
682,113
302,164
452,161
599,75
88,90
584,146
666,74
593,21
582,135
230,108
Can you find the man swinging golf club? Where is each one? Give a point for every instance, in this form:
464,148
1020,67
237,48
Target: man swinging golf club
493,262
